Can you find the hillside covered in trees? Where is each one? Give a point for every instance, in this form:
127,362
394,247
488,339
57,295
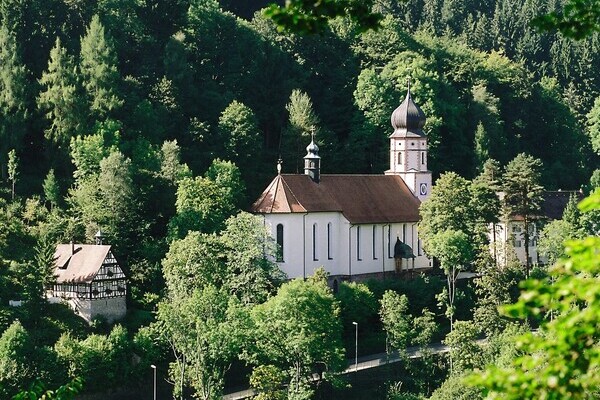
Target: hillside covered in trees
154,119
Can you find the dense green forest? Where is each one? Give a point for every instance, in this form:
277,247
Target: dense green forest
155,119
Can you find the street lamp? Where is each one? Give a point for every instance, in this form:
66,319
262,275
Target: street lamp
154,368
355,346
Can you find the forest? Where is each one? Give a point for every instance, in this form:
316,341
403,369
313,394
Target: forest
160,122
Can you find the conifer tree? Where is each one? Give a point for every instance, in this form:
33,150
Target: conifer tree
60,97
523,194
99,71
13,169
13,95
302,121
51,189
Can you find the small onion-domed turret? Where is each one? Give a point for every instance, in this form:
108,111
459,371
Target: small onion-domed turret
408,116
312,160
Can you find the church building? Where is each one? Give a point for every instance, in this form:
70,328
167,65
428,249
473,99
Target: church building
356,226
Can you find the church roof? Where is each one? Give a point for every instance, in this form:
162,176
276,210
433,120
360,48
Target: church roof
78,263
362,199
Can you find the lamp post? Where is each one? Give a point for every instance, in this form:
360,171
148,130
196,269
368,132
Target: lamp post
355,346
154,368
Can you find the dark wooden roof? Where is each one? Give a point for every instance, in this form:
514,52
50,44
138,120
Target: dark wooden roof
555,202
80,265
362,199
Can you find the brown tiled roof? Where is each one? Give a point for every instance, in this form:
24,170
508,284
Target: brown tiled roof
361,198
81,266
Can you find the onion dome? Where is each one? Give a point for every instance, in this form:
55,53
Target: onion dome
312,150
408,116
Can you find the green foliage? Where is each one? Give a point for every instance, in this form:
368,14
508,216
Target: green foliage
38,390
552,239
357,304
523,193
297,135
396,319
97,358
51,189
305,17
268,381
296,330
558,361
239,131
204,203
593,125
578,19
14,357
100,77
14,92
465,353
60,98
206,331
13,169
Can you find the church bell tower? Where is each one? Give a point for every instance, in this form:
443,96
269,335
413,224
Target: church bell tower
408,147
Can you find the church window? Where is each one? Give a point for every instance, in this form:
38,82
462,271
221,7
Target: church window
358,243
404,233
419,248
389,241
399,158
329,254
279,256
423,158
374,242
315,243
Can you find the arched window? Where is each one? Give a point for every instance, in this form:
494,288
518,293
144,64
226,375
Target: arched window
358,243
374,242
315,243
399,158
279,256
329,249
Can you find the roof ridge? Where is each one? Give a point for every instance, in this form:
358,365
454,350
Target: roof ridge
293,195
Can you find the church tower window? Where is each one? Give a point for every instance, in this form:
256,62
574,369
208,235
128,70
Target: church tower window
399,158
423,158
279,235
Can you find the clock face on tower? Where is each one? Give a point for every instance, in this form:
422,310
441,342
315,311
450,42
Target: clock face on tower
423,189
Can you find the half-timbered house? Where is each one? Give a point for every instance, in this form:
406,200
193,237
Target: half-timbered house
90,279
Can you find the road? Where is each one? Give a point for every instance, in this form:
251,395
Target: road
365,362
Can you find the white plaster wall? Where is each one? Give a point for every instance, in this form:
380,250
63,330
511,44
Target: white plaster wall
508,236
298,258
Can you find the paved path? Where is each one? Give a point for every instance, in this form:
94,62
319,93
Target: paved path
365,362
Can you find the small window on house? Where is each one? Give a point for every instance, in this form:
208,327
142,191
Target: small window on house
329,252
315,243
517,243
358,243
279,255
399,158
423,158
374,242
404,233
419,248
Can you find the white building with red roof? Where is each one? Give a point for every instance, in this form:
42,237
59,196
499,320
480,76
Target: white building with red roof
90,280
356,226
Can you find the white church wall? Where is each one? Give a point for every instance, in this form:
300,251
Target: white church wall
376,254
